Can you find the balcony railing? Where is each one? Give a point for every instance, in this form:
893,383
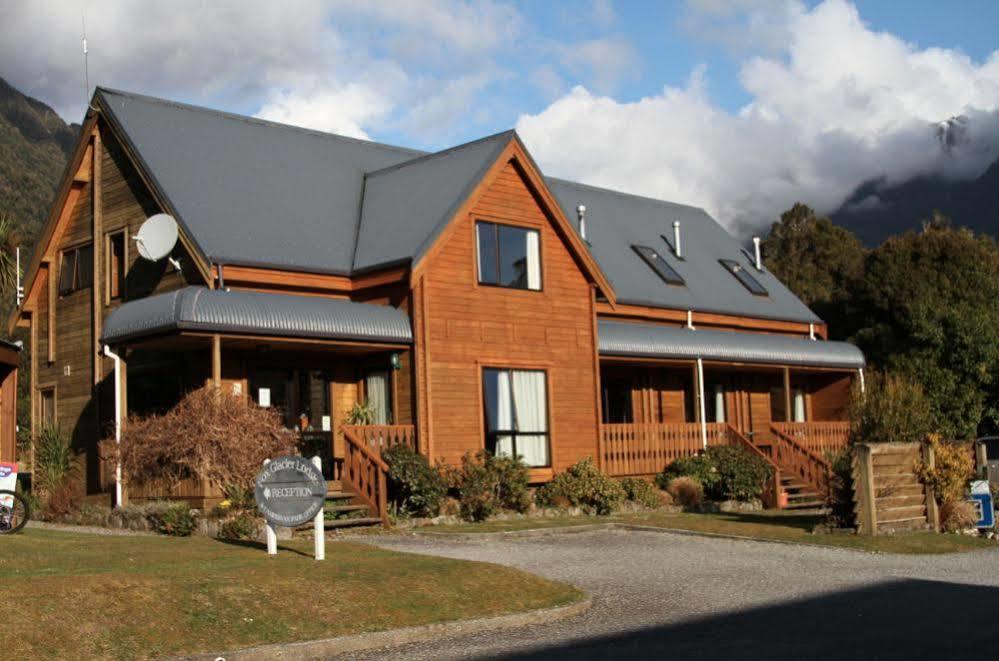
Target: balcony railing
379,437
646,448
820,438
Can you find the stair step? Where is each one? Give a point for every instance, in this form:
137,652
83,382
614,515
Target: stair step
339,495
806,505
346,508
805,495
352,523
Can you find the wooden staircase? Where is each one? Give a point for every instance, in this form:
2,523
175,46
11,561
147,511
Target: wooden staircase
345,510
800,495
804,474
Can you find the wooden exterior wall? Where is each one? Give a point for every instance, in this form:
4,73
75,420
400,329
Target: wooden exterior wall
463,327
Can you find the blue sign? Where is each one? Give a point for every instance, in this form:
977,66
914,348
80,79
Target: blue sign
985,509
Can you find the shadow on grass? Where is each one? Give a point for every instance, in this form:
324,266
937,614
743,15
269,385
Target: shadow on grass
253,544
804,522
893,620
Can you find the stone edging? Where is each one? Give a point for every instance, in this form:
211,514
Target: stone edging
325,648
90,530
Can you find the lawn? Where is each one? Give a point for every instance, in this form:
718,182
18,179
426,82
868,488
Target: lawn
72,595
770,525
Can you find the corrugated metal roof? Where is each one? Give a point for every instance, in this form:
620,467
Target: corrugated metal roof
257,313
618,338
615,222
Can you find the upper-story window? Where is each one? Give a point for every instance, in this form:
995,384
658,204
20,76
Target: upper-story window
508,256
76,270
743,276
116,266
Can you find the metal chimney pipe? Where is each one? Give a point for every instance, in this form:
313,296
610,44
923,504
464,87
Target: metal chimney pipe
676,239
581,215
756,248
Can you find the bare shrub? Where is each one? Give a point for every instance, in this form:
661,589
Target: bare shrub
686,491
209,434
957,515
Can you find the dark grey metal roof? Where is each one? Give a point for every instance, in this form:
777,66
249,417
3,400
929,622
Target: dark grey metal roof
616,221
618,338
253,192
257,313
406,206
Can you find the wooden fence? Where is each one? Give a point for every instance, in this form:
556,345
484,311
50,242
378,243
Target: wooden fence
646,448
888,495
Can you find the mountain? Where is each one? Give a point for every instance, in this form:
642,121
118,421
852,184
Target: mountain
34,146
876,211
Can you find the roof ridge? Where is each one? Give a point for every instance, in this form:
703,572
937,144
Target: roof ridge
634,196
253,120
426,156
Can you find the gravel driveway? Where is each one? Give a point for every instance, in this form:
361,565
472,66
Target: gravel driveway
678,596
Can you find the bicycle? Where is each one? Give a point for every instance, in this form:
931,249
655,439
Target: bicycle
14,512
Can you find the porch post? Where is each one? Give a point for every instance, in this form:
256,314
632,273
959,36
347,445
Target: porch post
787,395
701,407
217,363
863,386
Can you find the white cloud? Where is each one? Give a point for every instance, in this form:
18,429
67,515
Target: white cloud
839,105
341,111
606,61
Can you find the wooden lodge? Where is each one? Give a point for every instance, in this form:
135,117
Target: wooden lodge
468,300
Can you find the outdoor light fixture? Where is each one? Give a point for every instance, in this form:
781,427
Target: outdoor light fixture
396,364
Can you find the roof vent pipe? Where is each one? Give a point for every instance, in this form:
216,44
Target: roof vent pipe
756,251
676,239
811,331
581,215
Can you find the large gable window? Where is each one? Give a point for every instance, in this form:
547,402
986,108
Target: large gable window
508,256
743,276
76,270
517,415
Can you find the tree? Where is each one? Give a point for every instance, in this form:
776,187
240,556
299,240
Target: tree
818,261
927,307
10,237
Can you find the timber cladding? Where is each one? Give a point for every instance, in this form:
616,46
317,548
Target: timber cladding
466,327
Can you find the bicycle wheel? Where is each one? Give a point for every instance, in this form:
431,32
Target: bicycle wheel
14,512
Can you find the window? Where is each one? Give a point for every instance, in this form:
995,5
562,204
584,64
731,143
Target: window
47,412
116,265
508,256
715,403
743,276
379,396
77,269
798,404
517,414
617,401
659,265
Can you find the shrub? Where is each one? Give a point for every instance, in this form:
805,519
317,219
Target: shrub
361,413
699,467
841,510
741,474
725,472
957,515
891,409
208,434
686,491
177,520
641,491
583,485
952,468
415,487
241,526
54,473
485,484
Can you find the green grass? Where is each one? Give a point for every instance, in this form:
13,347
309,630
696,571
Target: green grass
73,595
770,525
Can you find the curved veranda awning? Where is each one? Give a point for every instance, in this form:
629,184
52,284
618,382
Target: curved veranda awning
256,313
618,338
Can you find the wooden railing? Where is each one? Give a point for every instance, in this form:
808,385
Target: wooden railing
797,460
378,437
365,471
771,489
821,438
646,448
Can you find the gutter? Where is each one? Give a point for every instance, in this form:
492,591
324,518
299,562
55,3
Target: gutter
117,422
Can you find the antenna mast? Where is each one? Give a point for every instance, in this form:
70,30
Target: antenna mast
86,67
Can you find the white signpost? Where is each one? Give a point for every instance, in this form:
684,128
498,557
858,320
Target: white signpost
291,491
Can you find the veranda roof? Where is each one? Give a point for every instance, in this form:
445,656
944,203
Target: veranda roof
617,338
256,313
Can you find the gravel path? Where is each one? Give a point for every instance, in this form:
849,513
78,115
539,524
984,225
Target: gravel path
678,596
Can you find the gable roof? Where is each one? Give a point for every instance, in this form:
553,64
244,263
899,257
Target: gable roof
256,193
617,221
407,205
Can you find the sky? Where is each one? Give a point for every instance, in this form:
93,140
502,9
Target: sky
742,107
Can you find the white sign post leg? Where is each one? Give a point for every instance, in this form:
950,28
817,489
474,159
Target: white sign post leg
319,531
269,530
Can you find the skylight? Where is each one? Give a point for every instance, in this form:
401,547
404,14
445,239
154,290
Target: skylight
743,276
659,265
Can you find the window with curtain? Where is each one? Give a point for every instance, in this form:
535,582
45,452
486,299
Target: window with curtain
716,399
376,388
508,256
516,404
798,404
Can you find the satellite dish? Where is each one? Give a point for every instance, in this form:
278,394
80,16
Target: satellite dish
156,237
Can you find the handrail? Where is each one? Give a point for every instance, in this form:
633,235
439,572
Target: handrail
367,474
771,490
801,461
